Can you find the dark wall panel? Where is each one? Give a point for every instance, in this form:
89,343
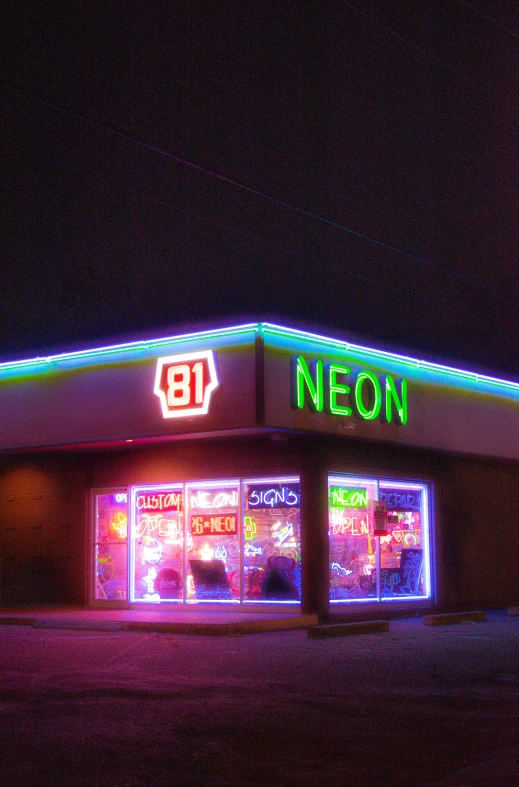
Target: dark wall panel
42,532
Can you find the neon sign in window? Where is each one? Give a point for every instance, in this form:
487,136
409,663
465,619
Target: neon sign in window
353,547
160,501
367,567
184,383
273,496
216,541
220,524
343,497
157,544
213,557
220,498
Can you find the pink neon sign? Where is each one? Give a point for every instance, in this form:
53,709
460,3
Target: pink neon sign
184,383
160,501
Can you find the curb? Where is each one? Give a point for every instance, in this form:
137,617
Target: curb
347,629
205,629
225,629
12,620
451,618
88,625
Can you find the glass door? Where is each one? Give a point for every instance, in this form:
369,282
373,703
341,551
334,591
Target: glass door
110,548
405,565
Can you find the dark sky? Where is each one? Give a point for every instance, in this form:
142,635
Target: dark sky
356,171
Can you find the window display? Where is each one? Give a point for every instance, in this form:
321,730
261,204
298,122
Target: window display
213,553
238,541
403,571
111,546
216,541
353,546
370,561
272,549
158,543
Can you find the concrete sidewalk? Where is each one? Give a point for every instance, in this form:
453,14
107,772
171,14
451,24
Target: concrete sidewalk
174,622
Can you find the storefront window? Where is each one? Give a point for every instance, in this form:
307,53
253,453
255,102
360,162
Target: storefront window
404,562
111,546
158,543
272,547
353,546
227,541
372,564
213,549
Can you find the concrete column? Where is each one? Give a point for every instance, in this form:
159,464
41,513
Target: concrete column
314,537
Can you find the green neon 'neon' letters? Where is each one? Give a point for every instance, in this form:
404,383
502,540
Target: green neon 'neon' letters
335,389
307,381
392,397
320,386
375,397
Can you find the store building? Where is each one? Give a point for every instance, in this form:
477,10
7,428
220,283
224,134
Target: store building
257,467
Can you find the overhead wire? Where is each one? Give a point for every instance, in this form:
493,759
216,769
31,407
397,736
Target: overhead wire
429,55
242,233
488,18
257,192
220,225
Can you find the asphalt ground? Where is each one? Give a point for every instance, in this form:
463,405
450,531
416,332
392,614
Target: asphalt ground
415,705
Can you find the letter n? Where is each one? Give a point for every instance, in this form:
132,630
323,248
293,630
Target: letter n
393,398
307,384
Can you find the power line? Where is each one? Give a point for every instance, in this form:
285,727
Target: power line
234,230
257,192
243,234
431,56
489,18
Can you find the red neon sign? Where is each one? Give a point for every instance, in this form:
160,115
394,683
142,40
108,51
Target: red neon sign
184,383
219,525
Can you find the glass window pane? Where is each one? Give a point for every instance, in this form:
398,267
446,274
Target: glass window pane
353,547
213,547
272,541
403,550
111,546
158,543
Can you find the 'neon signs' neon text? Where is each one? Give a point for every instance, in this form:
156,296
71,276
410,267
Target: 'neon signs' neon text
273,497
328,387
214,499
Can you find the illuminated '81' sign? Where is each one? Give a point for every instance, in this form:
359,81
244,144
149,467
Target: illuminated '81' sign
184,383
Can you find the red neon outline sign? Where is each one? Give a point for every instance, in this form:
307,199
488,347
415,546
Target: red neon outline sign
184,383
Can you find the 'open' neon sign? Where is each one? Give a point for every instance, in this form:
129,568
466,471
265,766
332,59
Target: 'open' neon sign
328,387
184,383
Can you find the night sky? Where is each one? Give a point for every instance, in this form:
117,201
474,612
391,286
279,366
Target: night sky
347,167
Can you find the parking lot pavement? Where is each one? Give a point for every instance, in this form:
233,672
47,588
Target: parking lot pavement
501,771
409,707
